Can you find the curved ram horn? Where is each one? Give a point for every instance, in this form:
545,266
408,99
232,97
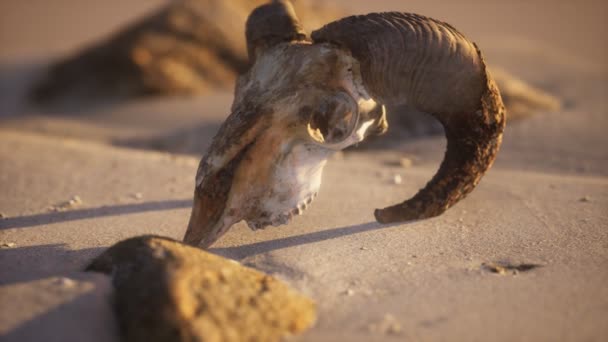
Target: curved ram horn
271,24
428,65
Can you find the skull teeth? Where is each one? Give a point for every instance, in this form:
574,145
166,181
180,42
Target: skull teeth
282,218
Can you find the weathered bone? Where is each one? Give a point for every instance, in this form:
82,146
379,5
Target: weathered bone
296,106
426,64
300,102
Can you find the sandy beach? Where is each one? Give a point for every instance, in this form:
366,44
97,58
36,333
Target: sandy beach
523,258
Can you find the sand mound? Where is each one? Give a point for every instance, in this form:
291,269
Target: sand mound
186,47
197,46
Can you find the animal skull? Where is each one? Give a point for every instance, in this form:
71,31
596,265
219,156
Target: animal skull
307,101
301,101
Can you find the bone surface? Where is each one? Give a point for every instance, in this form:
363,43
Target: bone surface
297,105
335,88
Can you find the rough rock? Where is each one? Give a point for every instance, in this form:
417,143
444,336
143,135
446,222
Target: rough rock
168,291
522,99
186,47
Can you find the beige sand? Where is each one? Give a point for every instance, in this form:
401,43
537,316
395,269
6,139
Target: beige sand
545,201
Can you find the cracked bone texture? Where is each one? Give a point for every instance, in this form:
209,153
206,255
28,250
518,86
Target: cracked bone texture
267,159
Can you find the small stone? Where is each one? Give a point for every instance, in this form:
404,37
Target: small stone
406,163
397,179
2,216
504,268
75,201
585,199
8,245
498,269
137,195
364,248
389,326
65,282
394,329
349,292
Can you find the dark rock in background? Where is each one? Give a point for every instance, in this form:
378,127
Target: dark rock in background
187,47
196,46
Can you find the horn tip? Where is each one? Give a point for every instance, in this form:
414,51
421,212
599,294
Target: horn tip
380,216
391,215
404,213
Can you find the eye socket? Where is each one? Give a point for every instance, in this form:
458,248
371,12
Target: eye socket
333,119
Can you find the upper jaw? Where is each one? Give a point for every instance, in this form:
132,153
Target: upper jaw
281,218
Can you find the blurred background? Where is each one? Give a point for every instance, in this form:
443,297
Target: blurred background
159,74
91,91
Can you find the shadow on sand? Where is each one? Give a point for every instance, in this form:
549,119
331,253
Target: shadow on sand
37,263
35,277
79,214
241,252
30,263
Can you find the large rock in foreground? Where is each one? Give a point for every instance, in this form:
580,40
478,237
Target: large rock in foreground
168,291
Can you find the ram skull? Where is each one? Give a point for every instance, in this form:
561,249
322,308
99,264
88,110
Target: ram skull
303,99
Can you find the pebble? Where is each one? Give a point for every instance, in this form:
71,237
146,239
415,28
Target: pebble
388,325
397,179
138,195
2,216
8,245
349,292
406,162
585,199
71,203
497,269
65,282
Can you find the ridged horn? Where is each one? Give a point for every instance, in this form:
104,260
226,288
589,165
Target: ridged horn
428,65
271,24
